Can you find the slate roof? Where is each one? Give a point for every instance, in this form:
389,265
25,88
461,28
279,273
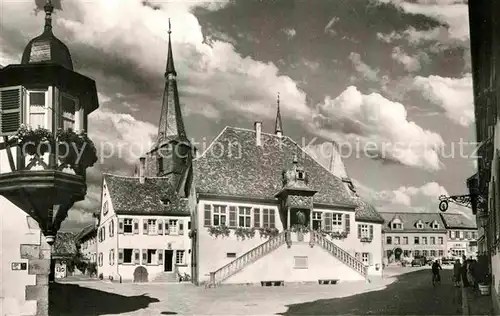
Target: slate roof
234,165
410,220
129,196
457,221
65,244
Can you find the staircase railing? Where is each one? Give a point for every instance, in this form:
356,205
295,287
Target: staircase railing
340,254
244,260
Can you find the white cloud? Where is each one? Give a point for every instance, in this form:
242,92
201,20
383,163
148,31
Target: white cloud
290,32
377,127
409,199
411,63
364,69
453,95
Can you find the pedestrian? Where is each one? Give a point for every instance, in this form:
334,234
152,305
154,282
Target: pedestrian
463,271
470,273
456,273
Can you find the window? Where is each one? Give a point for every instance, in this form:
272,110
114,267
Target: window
337,222
440,240
68,109
151,256
111,228
365,231
219,215
179,257
397,226
365,258
316,218
416,253
268,218
127,225
300,262
127,255
396,240
405,240
457,234
440,253
433,253
424,240
467,236
425,253
435,225
152,227
416,241
420,225
301,175
100,259
111,257
256,217
231,254
105,208
389,240
433,240
172,226
37,109
406,253
461,235
244,217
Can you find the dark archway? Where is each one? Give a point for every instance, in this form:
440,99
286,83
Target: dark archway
140,275
397,253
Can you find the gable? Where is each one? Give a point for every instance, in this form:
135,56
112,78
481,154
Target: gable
107,210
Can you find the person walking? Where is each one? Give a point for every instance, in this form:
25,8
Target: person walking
457,272
463,271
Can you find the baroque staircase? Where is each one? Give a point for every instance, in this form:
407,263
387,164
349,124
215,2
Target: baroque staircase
340,254
218,276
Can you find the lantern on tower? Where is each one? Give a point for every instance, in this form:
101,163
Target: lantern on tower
44,105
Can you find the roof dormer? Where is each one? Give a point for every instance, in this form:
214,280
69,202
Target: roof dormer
434,225
396,223
419,224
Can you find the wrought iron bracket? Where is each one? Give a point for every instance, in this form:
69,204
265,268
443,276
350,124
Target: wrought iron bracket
461,200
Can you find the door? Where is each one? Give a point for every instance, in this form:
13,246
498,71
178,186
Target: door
168,262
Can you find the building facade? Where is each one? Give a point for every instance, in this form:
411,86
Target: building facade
485,49
409,235
462,236
87,242
261,210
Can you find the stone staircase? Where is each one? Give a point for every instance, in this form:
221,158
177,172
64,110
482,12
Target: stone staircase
340,254
166,277
218,276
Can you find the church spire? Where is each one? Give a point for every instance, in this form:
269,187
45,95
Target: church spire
171,122
278,126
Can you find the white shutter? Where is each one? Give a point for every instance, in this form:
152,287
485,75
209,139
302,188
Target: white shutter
11,105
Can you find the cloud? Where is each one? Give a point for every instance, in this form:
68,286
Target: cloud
453,95
365,70
376,127
421,199
290,32
411,63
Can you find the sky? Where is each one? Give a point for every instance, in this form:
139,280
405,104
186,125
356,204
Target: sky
389,81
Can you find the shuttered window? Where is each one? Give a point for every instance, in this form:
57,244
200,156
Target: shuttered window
68,110
11,104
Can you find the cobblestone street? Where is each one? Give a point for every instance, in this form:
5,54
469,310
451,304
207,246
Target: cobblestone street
412,294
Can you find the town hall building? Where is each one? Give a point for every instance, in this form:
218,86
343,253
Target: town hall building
261,211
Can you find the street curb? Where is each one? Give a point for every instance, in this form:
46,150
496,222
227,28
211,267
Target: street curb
465,302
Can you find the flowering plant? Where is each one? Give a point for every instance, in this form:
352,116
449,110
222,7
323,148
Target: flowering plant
268,232
217,231
75,144
33,140
244,233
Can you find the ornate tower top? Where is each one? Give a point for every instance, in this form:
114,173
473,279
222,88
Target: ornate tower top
46,48
278,126
171,124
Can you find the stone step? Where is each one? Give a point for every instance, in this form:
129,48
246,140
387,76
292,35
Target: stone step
166,277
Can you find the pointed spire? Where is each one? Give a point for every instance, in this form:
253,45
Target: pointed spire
278,126
170,59
49,9
171,121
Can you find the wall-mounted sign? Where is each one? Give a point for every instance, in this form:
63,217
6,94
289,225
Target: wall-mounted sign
169,246
19,266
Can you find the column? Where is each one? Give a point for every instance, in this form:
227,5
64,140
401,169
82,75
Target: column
38,264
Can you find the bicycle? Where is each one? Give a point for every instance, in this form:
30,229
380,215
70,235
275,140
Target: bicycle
435,279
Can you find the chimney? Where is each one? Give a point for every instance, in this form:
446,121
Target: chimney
142,167
258,133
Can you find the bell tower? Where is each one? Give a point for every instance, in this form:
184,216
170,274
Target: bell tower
173,150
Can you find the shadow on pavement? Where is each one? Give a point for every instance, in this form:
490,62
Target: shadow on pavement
411,294
71,299
168,313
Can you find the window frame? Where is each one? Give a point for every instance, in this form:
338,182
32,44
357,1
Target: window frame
76,117
131,255
181,253
44,109
125,225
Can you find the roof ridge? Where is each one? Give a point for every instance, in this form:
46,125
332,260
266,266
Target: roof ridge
213,141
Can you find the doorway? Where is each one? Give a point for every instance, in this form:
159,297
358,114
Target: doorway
300,217
397,254
168,263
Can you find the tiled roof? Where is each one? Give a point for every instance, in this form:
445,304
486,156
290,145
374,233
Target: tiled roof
129,196
458,221
411,219
65,244
236,166
86,231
